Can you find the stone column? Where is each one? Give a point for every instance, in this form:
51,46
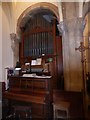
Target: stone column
15,47
72,33
89,55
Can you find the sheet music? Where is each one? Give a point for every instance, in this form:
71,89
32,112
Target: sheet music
36,62
43,76
36,76
29,75
33,62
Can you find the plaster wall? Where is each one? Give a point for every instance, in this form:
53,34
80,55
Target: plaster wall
7,55
0,42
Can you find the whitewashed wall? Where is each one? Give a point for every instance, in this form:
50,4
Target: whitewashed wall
7,55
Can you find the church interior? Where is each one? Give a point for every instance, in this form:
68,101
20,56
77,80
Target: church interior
45,60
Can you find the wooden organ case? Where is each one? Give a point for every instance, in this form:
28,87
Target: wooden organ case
40,38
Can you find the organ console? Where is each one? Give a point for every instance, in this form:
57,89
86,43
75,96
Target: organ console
33,93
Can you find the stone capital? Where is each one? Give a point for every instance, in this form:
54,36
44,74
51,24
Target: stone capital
74,25
13,36
14,45
80,24
13,40
62,27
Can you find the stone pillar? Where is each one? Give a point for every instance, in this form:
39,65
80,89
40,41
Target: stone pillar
15,47
72,33
89,55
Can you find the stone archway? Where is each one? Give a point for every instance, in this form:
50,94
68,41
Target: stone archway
38,6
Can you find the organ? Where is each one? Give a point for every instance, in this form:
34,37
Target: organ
39,39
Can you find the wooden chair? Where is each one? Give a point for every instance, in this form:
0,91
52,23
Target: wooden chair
60,108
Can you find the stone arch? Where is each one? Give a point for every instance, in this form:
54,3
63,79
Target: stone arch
86,8
86,17
86,12
42,5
